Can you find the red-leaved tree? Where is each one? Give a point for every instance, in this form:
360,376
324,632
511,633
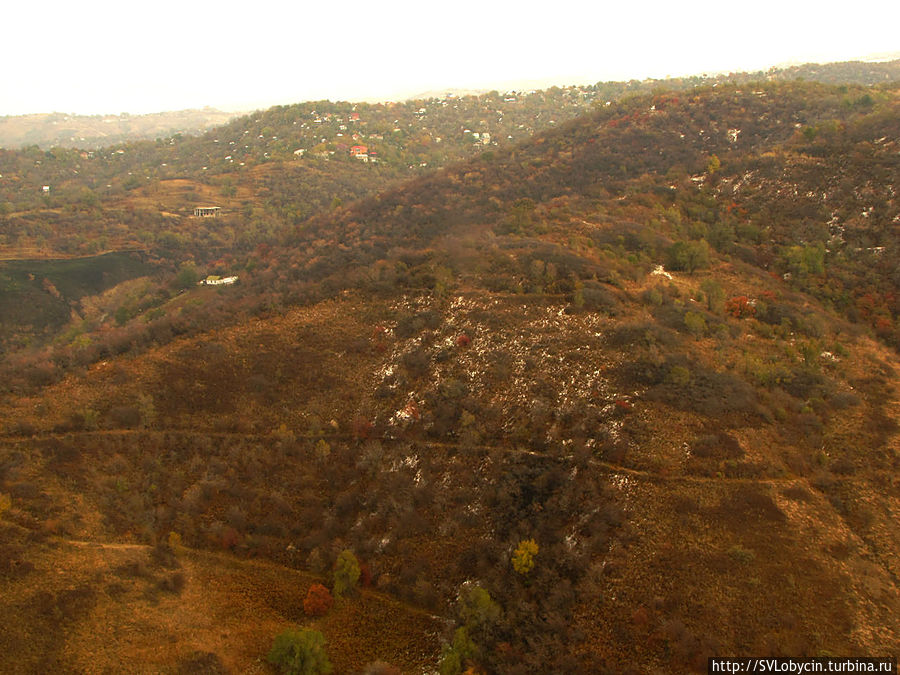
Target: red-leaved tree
318,600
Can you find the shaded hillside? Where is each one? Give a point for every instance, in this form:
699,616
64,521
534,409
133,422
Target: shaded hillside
38,298
614,398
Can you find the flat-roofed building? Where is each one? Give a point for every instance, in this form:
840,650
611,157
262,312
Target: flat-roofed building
207,211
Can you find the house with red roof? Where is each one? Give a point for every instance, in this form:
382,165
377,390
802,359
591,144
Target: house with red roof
360,152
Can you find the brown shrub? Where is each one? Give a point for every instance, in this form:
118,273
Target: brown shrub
201,663
717,446
124,417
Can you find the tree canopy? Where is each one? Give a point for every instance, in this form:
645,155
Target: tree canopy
300,652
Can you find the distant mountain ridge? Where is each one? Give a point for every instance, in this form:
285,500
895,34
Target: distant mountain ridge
94,131
846,72
58,129
865,71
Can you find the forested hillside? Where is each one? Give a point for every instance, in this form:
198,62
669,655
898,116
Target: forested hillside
614,398
277,167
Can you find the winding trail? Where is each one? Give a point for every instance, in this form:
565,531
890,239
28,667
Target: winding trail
508,450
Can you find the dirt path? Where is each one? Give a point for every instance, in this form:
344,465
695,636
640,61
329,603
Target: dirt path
456,447
106,545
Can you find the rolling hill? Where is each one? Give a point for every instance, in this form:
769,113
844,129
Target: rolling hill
49,130
655,346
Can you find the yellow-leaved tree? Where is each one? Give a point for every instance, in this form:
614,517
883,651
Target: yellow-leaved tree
523,557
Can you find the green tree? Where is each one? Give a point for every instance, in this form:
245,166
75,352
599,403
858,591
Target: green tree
578,295
695,323
88,199
679,376
689,255
805,260
346,572
810,351
300,652
147,409
322,449
455,655
478,613
715,296
188,275
228,189
477,609
122,315
521,213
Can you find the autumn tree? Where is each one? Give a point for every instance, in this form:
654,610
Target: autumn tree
740,306
523,557
318,600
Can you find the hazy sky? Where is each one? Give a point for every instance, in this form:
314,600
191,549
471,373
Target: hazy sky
100,56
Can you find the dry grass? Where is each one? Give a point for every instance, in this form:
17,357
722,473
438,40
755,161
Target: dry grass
99,608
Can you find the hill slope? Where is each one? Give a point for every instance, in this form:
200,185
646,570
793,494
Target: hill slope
654,341
48,130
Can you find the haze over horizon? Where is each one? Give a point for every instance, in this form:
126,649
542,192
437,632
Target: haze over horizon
91,59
